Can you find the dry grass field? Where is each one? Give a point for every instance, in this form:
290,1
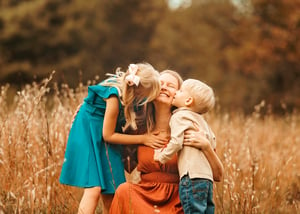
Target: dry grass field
260,153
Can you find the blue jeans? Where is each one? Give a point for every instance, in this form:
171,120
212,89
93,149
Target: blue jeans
196,195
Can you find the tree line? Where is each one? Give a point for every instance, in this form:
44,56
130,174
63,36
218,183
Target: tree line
247,51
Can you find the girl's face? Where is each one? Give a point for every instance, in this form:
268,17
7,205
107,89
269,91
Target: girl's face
169,86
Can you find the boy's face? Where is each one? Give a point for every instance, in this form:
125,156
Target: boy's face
181,97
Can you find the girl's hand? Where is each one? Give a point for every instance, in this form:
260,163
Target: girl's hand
197,139
155,141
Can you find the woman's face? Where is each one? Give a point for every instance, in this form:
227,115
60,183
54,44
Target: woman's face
169,86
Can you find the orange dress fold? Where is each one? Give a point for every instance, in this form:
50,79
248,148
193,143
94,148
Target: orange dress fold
157,192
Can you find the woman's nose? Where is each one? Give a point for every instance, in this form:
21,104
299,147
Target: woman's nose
163,86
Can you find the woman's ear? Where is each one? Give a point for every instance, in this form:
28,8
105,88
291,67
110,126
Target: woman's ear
189,101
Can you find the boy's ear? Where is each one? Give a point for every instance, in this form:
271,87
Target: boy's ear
189,101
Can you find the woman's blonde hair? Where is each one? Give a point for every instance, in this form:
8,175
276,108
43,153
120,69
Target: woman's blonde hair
136,89
174,74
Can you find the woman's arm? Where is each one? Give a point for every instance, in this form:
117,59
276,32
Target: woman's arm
109,126
199,140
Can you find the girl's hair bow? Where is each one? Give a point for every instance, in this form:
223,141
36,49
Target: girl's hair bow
132,78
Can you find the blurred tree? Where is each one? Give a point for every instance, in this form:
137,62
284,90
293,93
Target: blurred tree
132,24
266,49
279,24
72,36
11,3
193,40
42,36
244,52
248,51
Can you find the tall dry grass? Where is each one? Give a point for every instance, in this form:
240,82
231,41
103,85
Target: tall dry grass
260,154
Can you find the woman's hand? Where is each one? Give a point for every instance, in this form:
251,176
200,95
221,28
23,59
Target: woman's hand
197,139
155,141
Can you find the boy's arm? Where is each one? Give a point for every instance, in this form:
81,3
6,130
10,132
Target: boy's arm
200,141
165,154
178,126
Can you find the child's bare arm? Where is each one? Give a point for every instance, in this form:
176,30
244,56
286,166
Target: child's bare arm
109,126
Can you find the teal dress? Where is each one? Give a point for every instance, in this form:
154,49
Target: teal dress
89,161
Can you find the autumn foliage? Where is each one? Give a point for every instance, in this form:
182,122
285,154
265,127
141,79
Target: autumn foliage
248,51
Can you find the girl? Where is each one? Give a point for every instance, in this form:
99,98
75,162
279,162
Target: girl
89,161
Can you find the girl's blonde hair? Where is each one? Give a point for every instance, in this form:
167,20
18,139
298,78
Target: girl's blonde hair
133,95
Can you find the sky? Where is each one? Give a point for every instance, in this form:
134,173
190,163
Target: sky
174,4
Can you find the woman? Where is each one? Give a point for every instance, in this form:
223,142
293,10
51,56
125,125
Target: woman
158,190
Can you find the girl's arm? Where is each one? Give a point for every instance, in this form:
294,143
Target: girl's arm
199,140
109,126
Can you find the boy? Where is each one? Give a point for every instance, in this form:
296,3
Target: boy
195,165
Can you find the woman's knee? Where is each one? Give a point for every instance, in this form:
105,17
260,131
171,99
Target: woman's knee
122,188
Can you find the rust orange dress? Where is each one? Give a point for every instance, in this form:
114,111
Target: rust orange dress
157,192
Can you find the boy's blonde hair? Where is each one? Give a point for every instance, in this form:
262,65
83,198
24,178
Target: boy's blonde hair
137,94
204,99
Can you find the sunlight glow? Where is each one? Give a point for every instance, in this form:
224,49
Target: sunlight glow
174,4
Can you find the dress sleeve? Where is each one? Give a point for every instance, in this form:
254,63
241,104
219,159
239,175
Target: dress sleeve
104,91
111,91
96,94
